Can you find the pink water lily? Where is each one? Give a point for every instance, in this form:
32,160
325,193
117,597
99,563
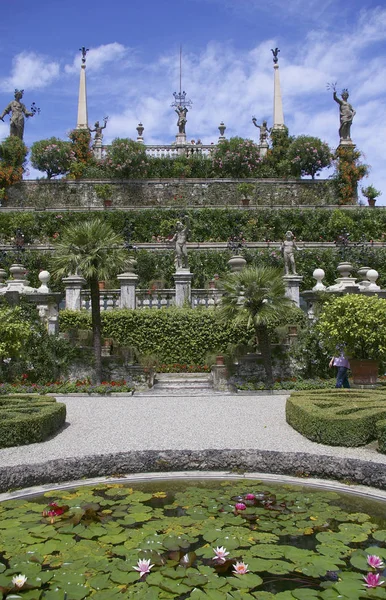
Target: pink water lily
240,506
220,553
240,568
374,561
250,497
143,566
372,580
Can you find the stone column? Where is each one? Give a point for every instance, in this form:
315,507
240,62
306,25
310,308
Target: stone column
82,120
128,284
73,285
292,284
278,116
183,280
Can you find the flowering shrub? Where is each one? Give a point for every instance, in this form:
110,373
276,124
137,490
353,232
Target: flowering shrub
308,156
127,159
82,154
236,157
53,156
349,171
12,159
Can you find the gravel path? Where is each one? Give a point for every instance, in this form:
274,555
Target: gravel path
102,425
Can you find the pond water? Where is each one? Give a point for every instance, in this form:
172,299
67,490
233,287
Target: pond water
205,540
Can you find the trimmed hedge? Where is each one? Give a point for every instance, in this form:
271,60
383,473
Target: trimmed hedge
338,417
175,335
26,419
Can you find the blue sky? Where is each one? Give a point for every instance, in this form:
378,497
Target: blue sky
133,67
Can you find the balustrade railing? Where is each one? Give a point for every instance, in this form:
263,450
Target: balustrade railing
162,298
170,150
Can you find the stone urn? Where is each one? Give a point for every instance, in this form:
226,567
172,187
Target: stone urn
236,263
344,269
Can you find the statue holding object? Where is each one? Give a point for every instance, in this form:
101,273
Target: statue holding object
264,131
98,131
19,111
181,122
346,113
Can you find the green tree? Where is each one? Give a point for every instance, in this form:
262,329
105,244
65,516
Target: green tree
15,332
13,154
277,157
309,155
256,295
52,156
94,250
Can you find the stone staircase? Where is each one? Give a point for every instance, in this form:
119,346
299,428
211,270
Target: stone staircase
182,384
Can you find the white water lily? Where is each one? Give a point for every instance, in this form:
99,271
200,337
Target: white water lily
19,580
221,553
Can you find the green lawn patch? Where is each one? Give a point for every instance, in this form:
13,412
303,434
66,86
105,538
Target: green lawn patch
26,418
339,417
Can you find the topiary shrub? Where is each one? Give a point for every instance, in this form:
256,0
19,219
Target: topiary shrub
337,417
27,419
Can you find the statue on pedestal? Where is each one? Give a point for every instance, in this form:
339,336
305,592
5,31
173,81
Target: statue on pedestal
287,249
18,111
264,131
346,113
98,137
179,239
181,122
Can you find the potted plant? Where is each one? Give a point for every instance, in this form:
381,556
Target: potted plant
246,192
104,191
371,193
357,324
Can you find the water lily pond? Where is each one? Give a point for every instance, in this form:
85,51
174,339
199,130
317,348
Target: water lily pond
204,540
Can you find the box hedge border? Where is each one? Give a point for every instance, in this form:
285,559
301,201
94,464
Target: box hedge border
27,419
339,417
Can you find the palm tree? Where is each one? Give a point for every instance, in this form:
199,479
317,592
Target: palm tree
256,295
95,251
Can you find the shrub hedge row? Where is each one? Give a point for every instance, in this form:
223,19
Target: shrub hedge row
183,336
339,417
208,224
26,419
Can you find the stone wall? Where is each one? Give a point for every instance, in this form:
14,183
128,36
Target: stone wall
43,194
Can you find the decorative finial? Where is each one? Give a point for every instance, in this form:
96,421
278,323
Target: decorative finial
84,51
275,55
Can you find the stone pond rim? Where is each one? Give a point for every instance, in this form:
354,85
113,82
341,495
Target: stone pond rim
236,461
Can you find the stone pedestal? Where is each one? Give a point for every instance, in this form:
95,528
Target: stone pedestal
128,283
183,281
97,149
292,284
180,139
263,149
73,285
236,263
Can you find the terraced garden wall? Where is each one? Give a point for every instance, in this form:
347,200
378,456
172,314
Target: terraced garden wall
170,192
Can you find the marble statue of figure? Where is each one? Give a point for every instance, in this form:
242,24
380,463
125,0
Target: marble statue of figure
179,239
18,111
98,131
181,122
264,131
287,249
347,114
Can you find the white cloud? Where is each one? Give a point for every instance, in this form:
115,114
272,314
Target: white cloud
30,70
98,57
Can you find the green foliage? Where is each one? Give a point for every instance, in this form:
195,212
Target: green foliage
308,354
26,349
127,159
104,191
236,157
82,153
356,322
308,156
337,417
29,419
277,156
371,192
52,156
13,152
348,172
183,336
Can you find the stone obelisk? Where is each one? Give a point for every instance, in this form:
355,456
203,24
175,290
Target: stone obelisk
278,115
82,122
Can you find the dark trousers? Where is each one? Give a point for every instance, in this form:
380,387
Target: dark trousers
342,377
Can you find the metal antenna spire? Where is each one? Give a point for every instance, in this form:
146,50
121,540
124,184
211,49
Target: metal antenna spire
180,100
